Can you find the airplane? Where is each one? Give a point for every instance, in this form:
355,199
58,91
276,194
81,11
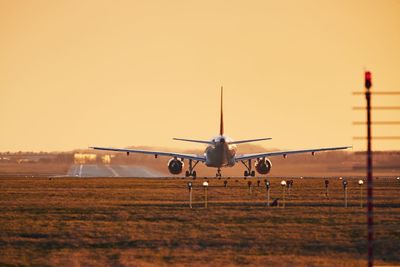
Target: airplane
219,153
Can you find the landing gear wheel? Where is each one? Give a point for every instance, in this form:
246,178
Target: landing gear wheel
219,175
253,173
191,172
246,173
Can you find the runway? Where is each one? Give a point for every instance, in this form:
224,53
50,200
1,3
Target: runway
95,170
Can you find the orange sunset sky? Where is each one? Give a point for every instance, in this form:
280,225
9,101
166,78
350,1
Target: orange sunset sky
119,73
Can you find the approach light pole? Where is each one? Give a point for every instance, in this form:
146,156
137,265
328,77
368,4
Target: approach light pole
345,192
368,84
205,185
190,193
267,186
289,185
249,185
368,95
360,183
326,188
283,184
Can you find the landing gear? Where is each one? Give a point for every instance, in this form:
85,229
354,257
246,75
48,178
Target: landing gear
248,172
218,175
191,172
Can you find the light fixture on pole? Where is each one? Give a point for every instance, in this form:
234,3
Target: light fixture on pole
283,184
360,183
249,185
267,186
205,185
326,188
345,192
190,193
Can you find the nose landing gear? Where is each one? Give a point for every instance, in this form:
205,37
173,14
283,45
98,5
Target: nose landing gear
218,175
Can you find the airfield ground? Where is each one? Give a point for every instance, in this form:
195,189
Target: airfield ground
146,222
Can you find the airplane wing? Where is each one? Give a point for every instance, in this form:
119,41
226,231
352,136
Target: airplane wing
156,153
285,153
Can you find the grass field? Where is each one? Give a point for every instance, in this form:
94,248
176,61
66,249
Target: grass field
146,222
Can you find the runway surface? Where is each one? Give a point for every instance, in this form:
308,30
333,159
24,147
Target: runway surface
94,170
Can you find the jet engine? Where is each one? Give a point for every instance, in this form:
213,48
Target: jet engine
175,166
263,166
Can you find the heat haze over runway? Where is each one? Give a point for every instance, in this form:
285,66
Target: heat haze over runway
97,170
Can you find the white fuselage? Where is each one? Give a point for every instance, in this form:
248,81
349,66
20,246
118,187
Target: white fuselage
220,153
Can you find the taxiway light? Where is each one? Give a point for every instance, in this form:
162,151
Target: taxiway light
267,184
344,183
340,178
398,178
360,182
205,184
283,183
190,185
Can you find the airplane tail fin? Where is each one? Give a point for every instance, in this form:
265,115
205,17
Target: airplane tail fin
221,126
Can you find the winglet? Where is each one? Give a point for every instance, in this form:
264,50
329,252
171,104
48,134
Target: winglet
221,126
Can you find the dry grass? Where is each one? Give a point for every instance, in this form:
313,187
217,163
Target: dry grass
33,169
147,222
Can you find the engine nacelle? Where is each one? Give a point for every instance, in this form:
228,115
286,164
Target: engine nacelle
263,166
175,166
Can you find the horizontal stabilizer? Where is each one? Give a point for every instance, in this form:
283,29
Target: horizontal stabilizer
248,141
194,141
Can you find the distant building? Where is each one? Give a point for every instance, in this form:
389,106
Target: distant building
5,159
82,158
106,159
27,160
